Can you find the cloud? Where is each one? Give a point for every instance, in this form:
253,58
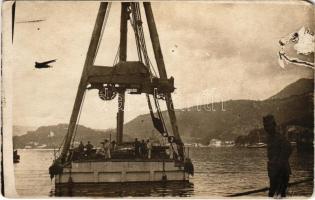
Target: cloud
230,49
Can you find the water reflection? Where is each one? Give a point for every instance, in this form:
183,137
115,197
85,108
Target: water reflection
171,189
218,172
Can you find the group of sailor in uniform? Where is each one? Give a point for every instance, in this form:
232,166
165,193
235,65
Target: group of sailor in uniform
142,149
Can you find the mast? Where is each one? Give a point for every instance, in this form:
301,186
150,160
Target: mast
90,56
162,72
95,39
122,58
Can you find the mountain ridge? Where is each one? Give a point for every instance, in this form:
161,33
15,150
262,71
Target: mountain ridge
201,123
301,86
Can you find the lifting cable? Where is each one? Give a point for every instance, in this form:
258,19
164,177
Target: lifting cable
61,144
145,53
116,59
96,52
103,28
75,129
134,26
97,48
116,56
77,122
143,45
136,23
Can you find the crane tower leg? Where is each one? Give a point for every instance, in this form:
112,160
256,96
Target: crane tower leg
162,72
90,56
122,58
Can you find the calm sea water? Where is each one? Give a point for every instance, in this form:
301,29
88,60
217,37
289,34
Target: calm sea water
218,172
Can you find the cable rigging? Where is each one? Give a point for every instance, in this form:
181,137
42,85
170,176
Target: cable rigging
136,23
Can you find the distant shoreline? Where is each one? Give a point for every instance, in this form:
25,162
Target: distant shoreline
37,149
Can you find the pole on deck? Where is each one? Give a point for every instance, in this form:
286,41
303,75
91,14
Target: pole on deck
90,56
162,72
122,58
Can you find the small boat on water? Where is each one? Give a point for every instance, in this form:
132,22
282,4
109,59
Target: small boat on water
16,157
42,146
257,145
215,143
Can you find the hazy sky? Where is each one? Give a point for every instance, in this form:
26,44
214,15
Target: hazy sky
220,50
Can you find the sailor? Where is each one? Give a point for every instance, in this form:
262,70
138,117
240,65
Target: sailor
171,152
137,148
149,148
81,149
143,149
113,146
107,147
278,152
89,148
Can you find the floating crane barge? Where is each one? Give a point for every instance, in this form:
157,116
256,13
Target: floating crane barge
119,170
136,77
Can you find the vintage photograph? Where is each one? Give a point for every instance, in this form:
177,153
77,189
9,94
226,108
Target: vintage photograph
176,99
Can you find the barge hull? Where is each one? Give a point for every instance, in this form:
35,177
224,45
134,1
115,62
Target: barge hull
121,172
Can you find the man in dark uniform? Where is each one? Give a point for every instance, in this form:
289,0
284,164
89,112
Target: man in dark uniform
137,148
81,149
278,151
143,149
89,148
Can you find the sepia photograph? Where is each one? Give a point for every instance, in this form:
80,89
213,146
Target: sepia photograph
175,99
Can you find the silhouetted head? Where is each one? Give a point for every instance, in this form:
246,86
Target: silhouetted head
269,124
136,139
88,142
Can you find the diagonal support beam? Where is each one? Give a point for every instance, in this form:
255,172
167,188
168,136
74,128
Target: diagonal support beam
90,56
162,72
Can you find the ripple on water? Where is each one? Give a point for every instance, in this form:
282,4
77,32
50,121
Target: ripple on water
218,172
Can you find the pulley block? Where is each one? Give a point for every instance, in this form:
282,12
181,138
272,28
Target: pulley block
107,93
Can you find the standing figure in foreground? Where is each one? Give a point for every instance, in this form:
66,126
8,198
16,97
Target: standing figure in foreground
278,151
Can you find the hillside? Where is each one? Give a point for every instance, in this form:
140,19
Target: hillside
241,116
299,87
293,105
21,130
42,136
